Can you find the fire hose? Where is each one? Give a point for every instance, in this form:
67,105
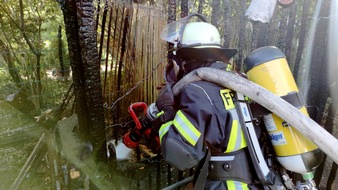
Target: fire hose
309,128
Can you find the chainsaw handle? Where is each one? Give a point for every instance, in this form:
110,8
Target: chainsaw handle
133,114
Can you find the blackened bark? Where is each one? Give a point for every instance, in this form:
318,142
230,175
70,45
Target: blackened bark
289,34
318,90
104,17
263,35
184,8
329,128
171,18
117,35
215,12
301,41
273,28
200,6
171,10
98,13
282,29
70,18
256,25
241,37
126,26
227,23
107,50
332,175
91,63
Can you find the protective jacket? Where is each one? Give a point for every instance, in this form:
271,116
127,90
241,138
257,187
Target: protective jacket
206,119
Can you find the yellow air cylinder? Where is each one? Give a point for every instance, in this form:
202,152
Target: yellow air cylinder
267,67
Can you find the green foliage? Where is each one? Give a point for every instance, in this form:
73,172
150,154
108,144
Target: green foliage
30,41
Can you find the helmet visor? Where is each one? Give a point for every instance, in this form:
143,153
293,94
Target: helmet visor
171,33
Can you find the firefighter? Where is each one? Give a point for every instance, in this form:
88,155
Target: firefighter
199,127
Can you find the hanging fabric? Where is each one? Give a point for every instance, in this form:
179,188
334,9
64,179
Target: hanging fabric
261,10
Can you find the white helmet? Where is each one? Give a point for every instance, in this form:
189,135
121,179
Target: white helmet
196,40
200,35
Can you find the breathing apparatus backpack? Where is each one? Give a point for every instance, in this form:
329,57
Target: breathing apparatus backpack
267,66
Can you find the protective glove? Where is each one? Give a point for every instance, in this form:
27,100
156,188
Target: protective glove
165,104
165,97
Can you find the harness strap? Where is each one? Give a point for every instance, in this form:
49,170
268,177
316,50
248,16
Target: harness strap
234,166
202,172
216,165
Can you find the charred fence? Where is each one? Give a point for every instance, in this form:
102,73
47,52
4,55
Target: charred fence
134,56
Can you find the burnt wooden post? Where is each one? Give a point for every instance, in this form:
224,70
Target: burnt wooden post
92,83
227,23
302,34
81,36
241,35
184,8
290,32
71,24
318,90
216,12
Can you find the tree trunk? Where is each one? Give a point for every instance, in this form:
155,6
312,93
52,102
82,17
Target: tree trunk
200,6
171,18
215,12
318,90
98,10
241,37
256,25
227,23
301,40
38,78
104,17
10,64
62,67
282,30
35,51
290,31
70,18
91,63
328,126
263,35
107,50
184,8
171,10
